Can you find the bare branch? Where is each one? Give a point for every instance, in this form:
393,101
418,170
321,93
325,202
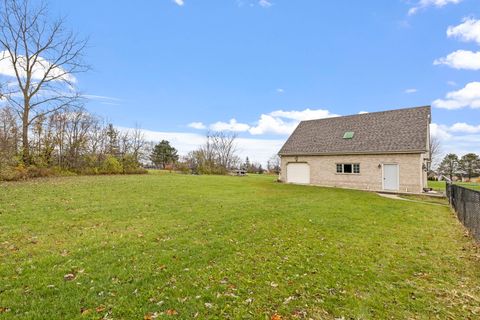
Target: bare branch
44,57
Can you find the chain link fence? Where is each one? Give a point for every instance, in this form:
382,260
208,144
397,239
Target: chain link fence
466,203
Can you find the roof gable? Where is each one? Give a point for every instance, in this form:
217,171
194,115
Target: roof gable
401,130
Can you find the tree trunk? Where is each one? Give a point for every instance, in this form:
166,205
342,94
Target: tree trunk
25,126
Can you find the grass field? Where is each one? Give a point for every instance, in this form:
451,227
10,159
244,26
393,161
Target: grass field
440,185
172,246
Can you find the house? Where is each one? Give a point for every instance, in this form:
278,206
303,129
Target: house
381,151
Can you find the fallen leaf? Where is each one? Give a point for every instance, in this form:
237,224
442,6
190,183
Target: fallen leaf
85,311
4,309
287,300
171,312
276,317
100,308
150,316
69,277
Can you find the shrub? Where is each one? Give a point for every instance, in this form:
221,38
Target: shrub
183,167
111,165
39,172
130,164
9,174
20,172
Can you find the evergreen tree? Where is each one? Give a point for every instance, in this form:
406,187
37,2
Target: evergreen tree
163,154
470,165
449,166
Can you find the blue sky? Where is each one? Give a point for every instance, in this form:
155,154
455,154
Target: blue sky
178,67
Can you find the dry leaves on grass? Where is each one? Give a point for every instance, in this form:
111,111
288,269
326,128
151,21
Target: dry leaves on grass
276,317
171,312
100,308
69,277
150,316
85,311
4,309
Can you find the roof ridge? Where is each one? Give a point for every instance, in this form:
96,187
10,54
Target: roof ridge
363,114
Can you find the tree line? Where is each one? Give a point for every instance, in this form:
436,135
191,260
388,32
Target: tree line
464,167
70,140
218,155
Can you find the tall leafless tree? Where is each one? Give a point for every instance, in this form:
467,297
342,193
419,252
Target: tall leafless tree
224,147
44,57
435,151
8,135
138,143
273,164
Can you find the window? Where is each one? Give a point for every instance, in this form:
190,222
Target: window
348,168
356,168
339,168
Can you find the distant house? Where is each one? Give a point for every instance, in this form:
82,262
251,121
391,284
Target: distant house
382,151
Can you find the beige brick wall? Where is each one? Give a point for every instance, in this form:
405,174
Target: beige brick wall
323,171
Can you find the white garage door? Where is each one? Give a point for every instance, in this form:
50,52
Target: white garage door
298,173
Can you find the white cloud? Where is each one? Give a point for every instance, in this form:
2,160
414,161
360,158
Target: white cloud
468,31
469,96
98,97
284,122
411,90
363,112
439,131
464,127
197,125
39,69
258,150
461,59
280,90
179,2
265,3
422,4
307,114
452,83
103,99
459,138
278,122
232,125
275,125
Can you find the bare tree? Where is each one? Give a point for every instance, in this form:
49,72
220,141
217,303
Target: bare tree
8,135
44,57
78,125
224,148
435,151
138,143
216,156
273,164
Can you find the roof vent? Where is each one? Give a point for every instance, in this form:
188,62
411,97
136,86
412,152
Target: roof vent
348,135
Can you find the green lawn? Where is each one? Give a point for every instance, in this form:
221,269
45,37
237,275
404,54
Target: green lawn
177,246
440,185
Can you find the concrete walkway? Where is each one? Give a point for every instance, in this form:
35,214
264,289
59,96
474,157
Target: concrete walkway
396,197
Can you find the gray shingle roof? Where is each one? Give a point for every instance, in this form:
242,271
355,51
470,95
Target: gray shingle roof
394,131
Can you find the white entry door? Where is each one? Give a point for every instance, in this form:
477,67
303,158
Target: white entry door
298,173
390,177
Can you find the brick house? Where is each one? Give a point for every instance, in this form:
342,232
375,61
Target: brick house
381,151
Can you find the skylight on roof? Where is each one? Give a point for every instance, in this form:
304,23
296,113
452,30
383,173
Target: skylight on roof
348,135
